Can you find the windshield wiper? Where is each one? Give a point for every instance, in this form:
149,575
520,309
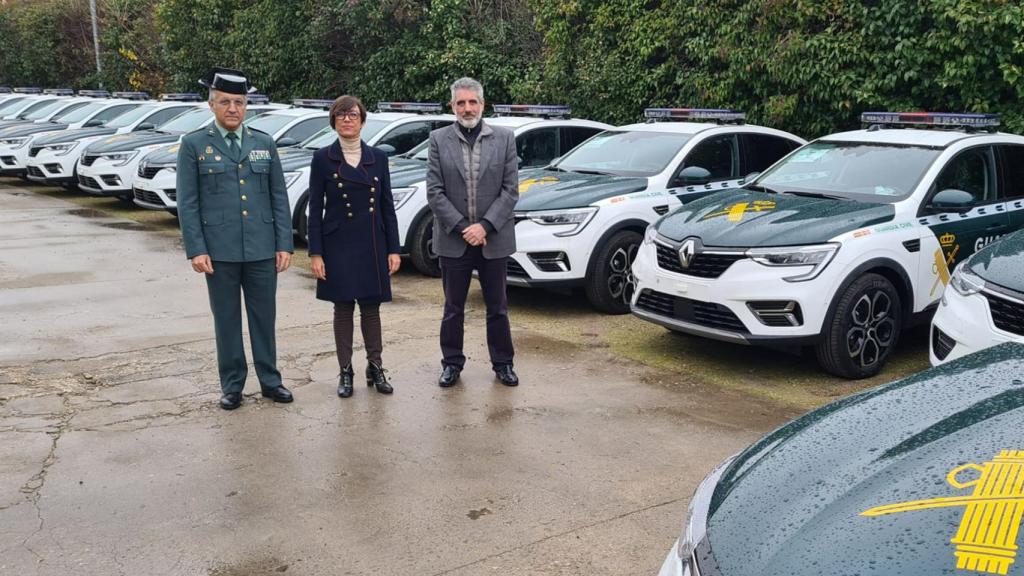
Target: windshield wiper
597,172
761,188
814,195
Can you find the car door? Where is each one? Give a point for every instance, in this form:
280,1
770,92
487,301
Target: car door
537,147
164,115
405,137
302,130
1011,161
759,151
573,136
714,160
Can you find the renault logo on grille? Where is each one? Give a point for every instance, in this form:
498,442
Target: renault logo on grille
689,249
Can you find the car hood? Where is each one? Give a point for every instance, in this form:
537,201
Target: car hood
407,175
555,189
295,160
123,142
29,129
397,165
1002,262
795,502
743,218
73,134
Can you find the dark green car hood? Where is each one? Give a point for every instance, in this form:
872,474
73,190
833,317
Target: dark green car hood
555,189
743,218
124,142
1002,262
29,129
792,503
72,135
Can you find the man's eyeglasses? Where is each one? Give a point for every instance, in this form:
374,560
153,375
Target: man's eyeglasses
352,115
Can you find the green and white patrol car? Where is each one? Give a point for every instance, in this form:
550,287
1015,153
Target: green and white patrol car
841,244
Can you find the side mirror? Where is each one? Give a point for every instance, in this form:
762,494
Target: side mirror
693,175
387,149
144,126
519,161
286,142
952,200
93,123
750,177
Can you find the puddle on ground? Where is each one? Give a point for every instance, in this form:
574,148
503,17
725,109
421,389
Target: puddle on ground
255,567
475,514
127,226
88,213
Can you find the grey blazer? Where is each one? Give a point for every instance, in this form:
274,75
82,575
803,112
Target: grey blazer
497,190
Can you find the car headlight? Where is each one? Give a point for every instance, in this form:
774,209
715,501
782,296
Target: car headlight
696,525
120,158
62,149
291,178
576,218
817,256
402,195
964,281
14,142
650,234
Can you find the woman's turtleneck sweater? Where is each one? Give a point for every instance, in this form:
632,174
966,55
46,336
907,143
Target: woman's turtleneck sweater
352,149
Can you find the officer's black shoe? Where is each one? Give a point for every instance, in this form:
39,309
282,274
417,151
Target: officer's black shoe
449,375
278,394
231,400
375,377
506,375
345,382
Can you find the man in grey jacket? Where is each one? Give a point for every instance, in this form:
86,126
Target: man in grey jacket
472,188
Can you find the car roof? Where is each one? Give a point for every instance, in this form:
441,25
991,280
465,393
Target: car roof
296,112
676,127
913,137
393,116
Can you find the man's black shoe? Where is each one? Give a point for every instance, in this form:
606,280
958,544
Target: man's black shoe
231,400
506,375
279,394
449,375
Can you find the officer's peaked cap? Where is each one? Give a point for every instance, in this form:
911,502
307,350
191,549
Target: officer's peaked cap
227,80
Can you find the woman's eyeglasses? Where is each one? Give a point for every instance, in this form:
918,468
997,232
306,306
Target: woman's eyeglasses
352,115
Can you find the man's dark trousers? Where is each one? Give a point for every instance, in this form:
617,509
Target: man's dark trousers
456,274
258,280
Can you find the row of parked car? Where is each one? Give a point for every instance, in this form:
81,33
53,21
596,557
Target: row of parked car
693,219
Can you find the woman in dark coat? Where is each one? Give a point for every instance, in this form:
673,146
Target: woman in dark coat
353,238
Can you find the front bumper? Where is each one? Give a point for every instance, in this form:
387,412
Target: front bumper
158,193
963,325
545,260
52,168
723,307
103,178
13,160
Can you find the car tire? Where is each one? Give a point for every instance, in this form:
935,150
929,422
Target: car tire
421,248
863,330
610,282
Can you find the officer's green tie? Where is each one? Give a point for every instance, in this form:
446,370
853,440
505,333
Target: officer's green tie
233,144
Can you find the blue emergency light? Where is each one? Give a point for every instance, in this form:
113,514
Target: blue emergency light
537,110
942,119
257,99
181,97
131,95
28,90
720,115
414,107
59,92
5,90
94,93
312,103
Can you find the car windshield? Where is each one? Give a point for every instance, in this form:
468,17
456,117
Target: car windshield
41,110
270,122
130,117
420,152
187,122
637,153
327,136
871,172
73,114
9,103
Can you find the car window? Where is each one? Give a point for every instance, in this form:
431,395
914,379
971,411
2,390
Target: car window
763,150
1012,160
625,153
573,136
971,171
9,103
76,113
305,129
270,122
188,121
403,138
718,155
114,112
161,116
130,116
40,110
537,147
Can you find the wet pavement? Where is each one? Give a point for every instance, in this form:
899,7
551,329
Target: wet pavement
114,458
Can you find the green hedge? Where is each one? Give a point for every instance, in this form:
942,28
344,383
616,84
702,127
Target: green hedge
806,66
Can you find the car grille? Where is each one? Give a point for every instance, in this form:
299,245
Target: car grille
171,194
33,151
148,172
942,344
35,171
703,265
148,197
88,182
706,314
1006,314
88,159
8,160
513,268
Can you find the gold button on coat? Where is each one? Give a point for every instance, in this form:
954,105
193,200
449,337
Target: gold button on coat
243,197
349,214
245,212
371,209
241,181
339,184
372,189
371,200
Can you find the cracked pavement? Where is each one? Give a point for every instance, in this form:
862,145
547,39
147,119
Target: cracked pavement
114,458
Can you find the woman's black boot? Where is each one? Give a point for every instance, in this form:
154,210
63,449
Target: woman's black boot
375,377
345,382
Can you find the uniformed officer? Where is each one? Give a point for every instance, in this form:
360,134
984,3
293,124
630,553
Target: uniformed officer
233,208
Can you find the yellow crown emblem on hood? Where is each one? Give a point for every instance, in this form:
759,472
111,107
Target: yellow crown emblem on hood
947,239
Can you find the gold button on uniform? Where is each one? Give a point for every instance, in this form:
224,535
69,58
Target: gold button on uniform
339,184
349,214
344,196
241,181
371,200
371,209
372,189
243,197
239,166
211,170
245,212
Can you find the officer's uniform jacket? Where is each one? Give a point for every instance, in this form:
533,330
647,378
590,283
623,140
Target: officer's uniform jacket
233,208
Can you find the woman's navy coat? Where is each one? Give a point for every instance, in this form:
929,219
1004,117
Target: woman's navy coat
352,224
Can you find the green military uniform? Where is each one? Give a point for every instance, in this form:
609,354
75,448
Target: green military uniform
233,206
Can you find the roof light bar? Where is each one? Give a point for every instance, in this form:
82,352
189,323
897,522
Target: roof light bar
5,90
312,103
931,119
94,93
538,110
414,107
131,95
257,99
695,114
59,92
182,97
28,90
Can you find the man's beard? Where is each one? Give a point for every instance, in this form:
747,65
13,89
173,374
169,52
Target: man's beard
468,124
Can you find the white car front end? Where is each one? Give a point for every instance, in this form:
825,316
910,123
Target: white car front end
155,188
111,173
55,163
14,154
